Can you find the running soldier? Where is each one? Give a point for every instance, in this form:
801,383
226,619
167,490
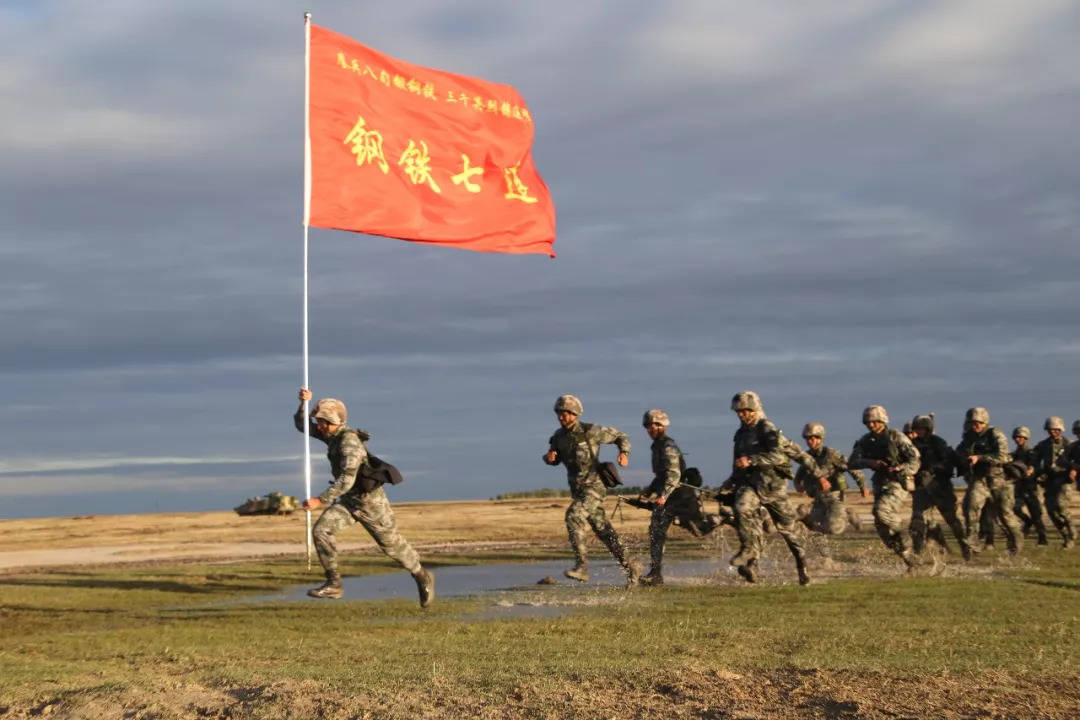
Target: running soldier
1053,472
934,489
981,457
824,483
1028,507
1072,455
894,460
349,501
667,466
761,470
577,446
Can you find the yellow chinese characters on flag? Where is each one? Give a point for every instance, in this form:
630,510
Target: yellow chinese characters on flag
421,154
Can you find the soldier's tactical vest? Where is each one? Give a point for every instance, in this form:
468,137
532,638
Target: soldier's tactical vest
755,441
936,460
657,485
985,443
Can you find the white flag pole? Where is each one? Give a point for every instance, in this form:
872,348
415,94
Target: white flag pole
307,216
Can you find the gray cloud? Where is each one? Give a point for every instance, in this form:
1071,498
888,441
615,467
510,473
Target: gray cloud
836,206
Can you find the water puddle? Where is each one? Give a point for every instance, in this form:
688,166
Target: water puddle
513,587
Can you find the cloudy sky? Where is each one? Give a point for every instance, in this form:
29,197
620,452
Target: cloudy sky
835,204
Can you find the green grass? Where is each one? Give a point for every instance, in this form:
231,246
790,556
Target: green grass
100,631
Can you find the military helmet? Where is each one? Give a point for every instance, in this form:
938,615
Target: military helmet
923,422
746,400
907,428
1054,423
570,404
331,410
655,416
813,429
875,413
1021,431
977,414
1076,427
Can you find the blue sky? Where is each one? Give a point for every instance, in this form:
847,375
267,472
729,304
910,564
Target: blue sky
836,205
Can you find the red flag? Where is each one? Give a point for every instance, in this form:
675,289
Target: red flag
421,154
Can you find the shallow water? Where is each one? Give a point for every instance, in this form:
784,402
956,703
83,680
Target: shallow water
505,578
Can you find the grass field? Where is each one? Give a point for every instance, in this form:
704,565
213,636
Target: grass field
995,638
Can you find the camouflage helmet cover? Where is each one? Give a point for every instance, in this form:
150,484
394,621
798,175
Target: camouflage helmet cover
875,413
925,422
978,414
746,400
655,416
570,404
1054,423
1021,431
331,410
813,429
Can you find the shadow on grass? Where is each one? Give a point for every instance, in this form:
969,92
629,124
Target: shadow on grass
1074,586
59,610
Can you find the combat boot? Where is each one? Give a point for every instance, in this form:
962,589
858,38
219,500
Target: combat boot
329,589
579,572
748,571
1042,539
425,585
967,551
633,574
910,559
800,565
653,577
741,558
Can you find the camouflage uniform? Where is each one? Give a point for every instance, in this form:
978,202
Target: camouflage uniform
890,490
987,483
934,489
1028,505
1053,472
667,466
348,503
579,449
827,513
763,485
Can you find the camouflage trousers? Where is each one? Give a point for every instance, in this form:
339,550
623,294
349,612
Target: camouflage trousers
659,525
372,510
999,495
585,511
1029,508
748,520
889,498
936,494
826,514
1059,491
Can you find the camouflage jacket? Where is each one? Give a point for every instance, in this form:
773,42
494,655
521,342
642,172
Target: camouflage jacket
936,460
1024,458
1025,455
1070,459
346,453
667,466
770,464
579,449
1050,459
992,449
831,465
892,447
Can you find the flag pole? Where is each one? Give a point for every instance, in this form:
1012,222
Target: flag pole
307,216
